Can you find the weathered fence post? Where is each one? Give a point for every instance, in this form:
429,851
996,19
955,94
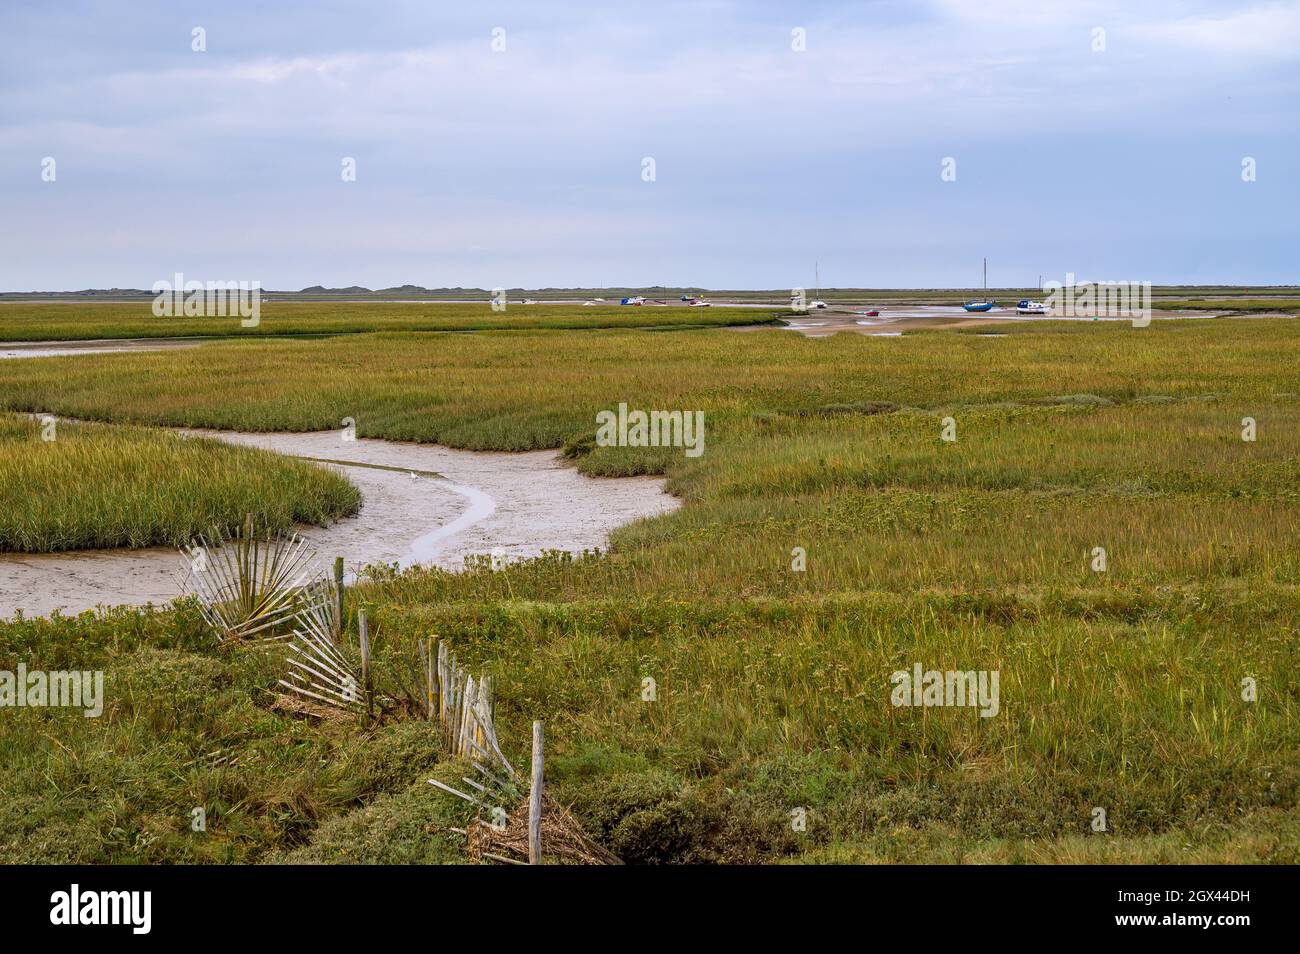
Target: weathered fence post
247,559
432,677
364,631
338,585
535,800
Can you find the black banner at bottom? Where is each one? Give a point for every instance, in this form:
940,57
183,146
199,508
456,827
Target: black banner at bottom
336,904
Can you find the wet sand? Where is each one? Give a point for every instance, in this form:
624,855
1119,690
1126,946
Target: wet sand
59,349
458,503
894,320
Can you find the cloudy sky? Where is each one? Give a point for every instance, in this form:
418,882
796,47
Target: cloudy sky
524,166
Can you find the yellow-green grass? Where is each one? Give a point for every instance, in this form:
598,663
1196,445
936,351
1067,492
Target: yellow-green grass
1120,689
766,706
530,389
67,486
762,706
1024,496
1247,303
64,321
1269,835
186,726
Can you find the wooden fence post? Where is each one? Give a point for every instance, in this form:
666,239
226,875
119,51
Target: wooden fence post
364,630
535,800
338,585
432,677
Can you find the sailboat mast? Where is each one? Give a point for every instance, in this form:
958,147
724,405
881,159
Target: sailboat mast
986,276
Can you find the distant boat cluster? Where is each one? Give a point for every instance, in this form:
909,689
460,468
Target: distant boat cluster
1023,307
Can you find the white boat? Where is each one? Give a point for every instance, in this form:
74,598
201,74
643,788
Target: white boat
1027,307
817,303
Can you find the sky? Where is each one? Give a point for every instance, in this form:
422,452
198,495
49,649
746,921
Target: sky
888,144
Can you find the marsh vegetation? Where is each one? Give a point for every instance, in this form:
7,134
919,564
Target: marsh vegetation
1120,688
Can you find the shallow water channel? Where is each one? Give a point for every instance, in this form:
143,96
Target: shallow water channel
421,504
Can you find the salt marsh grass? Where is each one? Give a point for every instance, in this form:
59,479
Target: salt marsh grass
96,486
66,321
517,390
1121,688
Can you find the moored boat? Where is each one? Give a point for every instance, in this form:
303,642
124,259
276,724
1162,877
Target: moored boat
986,303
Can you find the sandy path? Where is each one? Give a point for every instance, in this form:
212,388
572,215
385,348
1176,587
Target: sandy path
461,503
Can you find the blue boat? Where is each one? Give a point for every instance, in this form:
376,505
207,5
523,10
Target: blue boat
985,303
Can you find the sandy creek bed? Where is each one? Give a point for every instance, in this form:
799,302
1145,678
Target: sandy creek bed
480,502
65,349
892,321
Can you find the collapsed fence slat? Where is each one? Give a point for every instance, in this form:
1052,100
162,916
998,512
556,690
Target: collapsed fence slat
307,692
459,794
341,683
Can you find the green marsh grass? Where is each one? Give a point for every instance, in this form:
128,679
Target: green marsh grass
67,321
1120,689
518,390
99,486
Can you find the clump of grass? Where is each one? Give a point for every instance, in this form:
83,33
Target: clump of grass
96,486
1075,400
869,407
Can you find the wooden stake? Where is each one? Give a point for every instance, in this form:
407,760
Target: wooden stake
535,801
364,630
338,584
432,676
